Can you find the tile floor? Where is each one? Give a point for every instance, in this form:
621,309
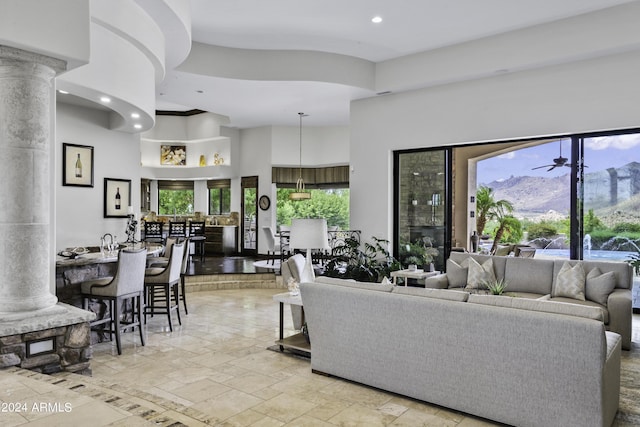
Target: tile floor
215,369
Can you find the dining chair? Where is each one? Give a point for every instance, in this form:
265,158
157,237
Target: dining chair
273,247
161,286
198,238
127,284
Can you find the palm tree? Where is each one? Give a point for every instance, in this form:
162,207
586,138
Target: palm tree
488,208
506,223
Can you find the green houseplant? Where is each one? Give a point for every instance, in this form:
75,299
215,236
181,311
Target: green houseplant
369,263
496,287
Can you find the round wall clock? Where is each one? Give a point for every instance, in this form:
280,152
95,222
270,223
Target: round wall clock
264,202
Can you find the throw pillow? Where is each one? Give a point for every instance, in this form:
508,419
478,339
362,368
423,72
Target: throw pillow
570,282
503,250
599,285
457,273
480,274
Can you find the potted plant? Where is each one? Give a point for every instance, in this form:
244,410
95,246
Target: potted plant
496,287
369,264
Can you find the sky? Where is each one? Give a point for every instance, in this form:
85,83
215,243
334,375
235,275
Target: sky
599,154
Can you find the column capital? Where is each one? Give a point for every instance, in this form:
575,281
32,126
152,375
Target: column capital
12,53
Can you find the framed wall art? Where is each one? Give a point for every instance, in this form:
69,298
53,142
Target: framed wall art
173,155
117,197
77,165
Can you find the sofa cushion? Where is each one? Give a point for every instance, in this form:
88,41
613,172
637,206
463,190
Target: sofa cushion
529,275
570,282
457,273
599,285
432,293
588,312
605,311
480,274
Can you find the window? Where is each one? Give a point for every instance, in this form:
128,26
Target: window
219,196
331,204
329,187
175,197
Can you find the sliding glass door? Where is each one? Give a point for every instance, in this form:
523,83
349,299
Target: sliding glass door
610,193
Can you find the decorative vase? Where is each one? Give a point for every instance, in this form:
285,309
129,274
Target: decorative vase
203,160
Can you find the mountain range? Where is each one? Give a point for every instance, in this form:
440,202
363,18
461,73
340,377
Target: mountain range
609,192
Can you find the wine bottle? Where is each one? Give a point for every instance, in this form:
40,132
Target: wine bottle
118,198
78,167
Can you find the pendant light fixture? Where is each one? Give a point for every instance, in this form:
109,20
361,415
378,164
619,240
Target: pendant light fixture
300,193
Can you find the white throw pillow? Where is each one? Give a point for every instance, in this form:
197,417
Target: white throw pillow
570,282
457,273
599,285
480,275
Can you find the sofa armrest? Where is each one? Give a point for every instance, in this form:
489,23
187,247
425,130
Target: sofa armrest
438,281
620,314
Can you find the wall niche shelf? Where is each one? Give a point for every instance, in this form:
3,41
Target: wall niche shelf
207,147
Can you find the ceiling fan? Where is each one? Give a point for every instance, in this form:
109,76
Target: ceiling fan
557,162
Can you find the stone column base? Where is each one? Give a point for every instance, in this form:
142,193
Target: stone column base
47,341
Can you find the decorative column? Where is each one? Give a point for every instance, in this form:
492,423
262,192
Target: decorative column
25,184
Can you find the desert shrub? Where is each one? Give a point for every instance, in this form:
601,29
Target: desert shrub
626,227
542,229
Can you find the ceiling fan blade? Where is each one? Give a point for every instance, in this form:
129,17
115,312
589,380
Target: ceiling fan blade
544,166
552,168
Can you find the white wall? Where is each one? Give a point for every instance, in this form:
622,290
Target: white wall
579,97
321,146
79,210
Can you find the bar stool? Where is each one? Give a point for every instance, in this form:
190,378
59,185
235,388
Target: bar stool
163,261
196,235
128,283
177,229
161,286
153,232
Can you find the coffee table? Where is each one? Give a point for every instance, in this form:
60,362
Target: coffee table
296,341
411,274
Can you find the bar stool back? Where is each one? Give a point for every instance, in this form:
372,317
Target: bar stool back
196,235
177,229
161,286
153,232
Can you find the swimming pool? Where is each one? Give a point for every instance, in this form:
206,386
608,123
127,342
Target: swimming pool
595,255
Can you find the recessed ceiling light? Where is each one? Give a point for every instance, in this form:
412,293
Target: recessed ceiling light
376,19
105,99
137,126
135,115
63,91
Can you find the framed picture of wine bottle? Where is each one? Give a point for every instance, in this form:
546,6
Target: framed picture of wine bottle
77,165
117,197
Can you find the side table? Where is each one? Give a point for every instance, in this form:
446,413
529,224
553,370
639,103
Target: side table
411,274
296,341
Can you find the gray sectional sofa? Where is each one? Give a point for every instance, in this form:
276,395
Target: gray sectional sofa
608,287
517,361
